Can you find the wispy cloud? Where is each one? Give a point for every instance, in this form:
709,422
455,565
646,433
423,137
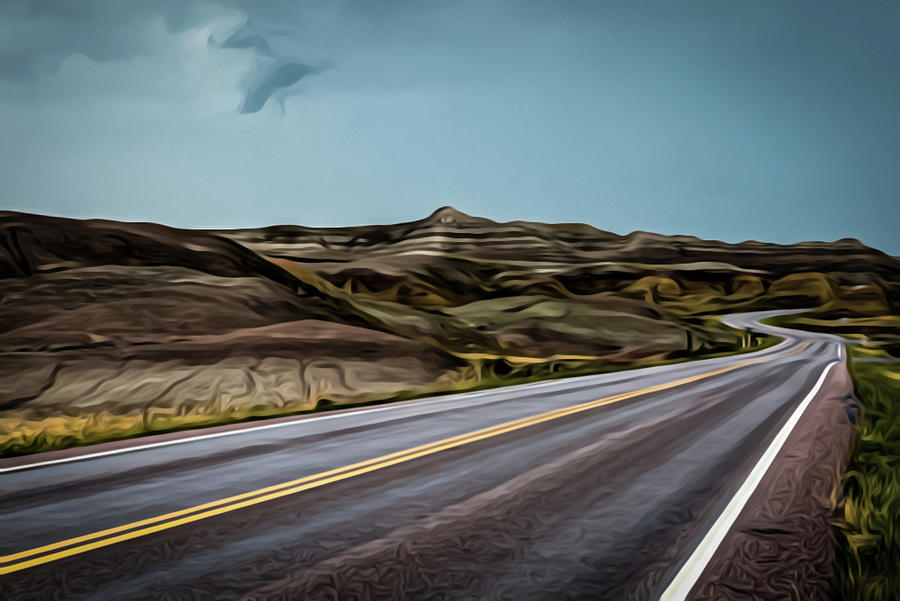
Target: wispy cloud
37,37
279,75
275,73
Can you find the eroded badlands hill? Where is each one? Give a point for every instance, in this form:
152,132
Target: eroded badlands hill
114,329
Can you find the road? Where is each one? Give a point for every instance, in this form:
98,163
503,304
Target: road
597,487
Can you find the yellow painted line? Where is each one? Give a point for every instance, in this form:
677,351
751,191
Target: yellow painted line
800,348
199,512
196,508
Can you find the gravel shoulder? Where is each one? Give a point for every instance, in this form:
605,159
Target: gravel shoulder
782,546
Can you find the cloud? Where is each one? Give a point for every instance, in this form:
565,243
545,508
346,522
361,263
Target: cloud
242,38
279,75
275,72
37,37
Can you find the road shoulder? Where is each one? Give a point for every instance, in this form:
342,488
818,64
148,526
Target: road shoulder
782,544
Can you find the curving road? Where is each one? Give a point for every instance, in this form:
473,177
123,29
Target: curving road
598,487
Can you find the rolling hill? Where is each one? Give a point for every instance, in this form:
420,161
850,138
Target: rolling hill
112,329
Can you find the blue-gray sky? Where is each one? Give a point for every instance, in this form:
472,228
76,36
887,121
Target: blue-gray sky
772,120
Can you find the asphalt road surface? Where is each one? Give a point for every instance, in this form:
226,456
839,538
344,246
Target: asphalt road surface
598,487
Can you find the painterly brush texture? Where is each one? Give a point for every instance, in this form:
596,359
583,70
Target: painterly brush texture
593,505
868,506
110,330
870,513
783,545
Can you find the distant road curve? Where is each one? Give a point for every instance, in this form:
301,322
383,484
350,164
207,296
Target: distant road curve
613,486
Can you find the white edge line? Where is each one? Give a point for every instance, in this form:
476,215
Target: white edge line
299,421
303,420
690,572
294,422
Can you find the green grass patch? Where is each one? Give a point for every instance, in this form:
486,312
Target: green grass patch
869,525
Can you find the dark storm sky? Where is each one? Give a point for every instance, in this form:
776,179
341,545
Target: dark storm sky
771,120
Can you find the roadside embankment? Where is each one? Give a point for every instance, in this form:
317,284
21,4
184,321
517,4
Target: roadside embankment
868,564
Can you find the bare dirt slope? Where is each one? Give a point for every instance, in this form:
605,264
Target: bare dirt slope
112,329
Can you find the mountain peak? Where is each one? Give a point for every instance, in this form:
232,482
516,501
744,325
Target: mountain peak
449,215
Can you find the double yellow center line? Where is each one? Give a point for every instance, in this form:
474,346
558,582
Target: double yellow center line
103,538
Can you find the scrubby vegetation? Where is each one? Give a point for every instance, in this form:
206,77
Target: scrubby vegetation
869,564
868,510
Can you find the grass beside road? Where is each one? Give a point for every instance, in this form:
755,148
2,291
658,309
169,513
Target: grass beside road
869,562
868,516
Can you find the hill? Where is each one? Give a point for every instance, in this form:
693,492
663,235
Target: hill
450,259
114,329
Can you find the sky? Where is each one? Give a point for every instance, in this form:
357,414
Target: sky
773,120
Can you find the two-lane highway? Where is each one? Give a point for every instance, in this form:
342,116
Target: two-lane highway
598,487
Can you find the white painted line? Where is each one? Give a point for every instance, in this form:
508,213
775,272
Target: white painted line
165,443
684,581
461,396
303,420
